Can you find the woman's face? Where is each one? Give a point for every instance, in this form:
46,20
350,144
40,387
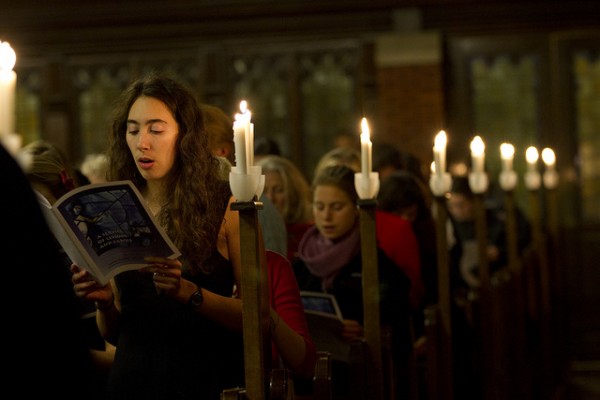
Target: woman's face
460,207
334,211
274,190
151,136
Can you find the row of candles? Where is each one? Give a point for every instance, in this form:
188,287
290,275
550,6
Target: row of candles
507,153
507,175
367,182
243,131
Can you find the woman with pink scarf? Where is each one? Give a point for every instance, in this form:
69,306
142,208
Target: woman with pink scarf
330,261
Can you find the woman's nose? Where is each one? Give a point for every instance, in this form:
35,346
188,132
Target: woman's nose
142,142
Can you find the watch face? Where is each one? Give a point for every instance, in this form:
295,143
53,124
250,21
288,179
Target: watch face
196,299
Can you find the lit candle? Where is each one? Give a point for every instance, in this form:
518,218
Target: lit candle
532,156
439,152
549,159
250,140
507,153
246,118
477,154
365,147
8,82
240,133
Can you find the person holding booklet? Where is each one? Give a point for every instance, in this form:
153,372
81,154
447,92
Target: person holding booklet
329,260
176,323
49,174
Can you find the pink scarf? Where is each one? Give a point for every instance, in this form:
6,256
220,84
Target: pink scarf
325,258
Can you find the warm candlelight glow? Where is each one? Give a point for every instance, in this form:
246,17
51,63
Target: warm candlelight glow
550,174
243,106
532,156
548,157
8,57
439,152
507,153
241,138
477,154
365,147
8,82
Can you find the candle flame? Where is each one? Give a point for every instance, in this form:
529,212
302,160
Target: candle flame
364,127
8,57
531,155
507,151
477,146
243,106
548,156
440,140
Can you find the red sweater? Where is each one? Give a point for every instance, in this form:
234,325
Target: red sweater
285,300
397,239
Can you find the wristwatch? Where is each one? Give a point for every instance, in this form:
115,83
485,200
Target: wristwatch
196,298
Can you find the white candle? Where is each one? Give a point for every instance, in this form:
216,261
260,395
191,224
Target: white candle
8,83
365,147
250,140
240,128
245,121
477,154
439,152
532,156
549,159
507,153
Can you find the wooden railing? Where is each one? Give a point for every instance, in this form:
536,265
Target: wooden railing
510,316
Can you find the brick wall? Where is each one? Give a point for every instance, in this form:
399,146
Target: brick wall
410,100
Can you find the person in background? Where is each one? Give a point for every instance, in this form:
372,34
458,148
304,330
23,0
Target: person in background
56,363
176,323
219,128
402,194
48,172
342,155
329,260
289,191
94,167
464,254
386,159
284,300
292,346
395,235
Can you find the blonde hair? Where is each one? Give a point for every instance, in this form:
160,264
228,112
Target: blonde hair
219,128
95,167
44,164
348,156
297,208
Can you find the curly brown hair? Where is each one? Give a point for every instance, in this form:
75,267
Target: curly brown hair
194,196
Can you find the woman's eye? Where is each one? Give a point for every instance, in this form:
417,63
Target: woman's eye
156,128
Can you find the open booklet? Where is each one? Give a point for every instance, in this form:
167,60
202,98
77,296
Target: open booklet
106,229
324,320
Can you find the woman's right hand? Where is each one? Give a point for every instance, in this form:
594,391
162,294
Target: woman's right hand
86,287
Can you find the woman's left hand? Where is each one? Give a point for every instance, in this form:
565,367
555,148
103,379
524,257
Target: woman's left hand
166,274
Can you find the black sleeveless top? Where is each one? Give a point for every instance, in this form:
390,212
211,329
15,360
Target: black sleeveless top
165,351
